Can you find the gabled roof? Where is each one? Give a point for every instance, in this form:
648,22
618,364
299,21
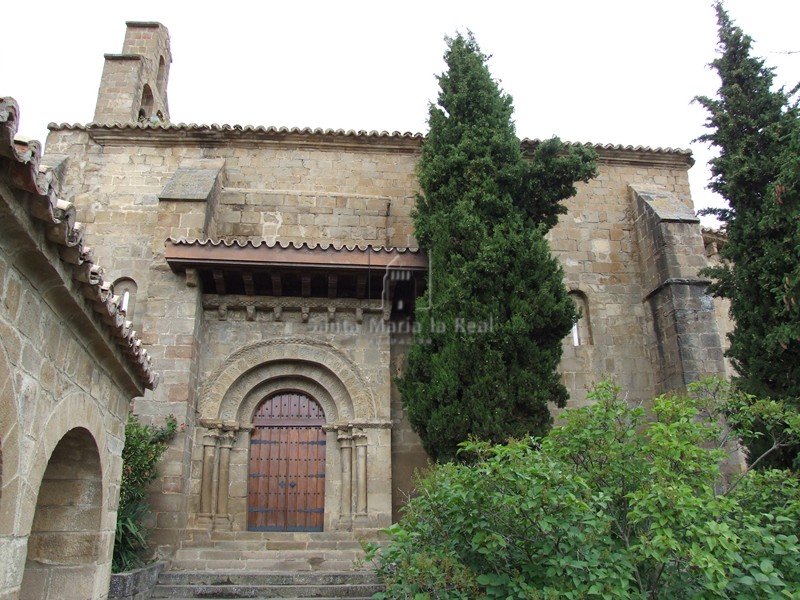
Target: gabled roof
57,218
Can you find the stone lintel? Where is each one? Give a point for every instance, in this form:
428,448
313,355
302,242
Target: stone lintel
345,427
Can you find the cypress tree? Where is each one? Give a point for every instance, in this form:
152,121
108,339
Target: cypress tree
484,361
755,128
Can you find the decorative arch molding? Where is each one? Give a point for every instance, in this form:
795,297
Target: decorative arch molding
281,382
280,364
77,410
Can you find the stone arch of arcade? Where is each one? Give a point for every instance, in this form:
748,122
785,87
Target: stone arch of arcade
68,522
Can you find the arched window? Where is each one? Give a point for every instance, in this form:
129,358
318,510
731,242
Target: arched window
161,83
582,329
125,288
147,103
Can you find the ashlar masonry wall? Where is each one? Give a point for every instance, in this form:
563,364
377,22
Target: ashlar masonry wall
136,186
133,194
62,419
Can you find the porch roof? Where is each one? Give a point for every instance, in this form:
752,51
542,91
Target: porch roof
299,269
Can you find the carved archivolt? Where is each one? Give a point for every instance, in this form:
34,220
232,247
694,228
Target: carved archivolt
302,364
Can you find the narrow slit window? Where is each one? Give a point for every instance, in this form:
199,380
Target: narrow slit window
581,329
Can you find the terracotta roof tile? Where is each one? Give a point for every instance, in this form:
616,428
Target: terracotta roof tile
322,246
242,128
57,217
333,133
183,252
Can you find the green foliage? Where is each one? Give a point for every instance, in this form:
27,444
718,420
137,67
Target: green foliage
484,362
610,505
144,445
756,129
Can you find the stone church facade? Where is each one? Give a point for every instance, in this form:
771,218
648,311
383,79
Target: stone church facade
271,274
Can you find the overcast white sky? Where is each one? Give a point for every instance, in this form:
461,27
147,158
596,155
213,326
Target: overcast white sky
602,71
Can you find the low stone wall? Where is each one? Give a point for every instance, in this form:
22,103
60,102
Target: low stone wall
136,585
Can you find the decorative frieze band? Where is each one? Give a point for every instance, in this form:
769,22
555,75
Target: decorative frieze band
277,306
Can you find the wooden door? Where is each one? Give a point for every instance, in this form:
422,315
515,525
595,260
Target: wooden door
287,465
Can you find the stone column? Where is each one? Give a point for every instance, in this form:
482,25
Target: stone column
226,442
346,448
360,441
210,439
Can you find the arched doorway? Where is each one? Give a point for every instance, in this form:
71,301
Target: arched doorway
65,544
286,488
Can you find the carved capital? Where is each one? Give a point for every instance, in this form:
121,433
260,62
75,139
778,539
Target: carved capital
211,437
227,439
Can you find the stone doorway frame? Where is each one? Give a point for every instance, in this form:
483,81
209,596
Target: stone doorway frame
358,461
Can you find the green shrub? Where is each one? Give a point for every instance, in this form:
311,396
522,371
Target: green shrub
613,504
144,445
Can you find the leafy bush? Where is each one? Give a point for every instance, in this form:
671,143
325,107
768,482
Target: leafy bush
612,504
144,445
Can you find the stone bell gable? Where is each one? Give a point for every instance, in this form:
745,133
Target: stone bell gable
134,83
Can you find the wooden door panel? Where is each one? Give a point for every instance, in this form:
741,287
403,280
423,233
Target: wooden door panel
265,498
287,465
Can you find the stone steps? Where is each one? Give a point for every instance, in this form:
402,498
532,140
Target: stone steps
268,552
320,585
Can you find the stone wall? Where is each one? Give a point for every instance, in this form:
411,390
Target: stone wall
138,185
133,199
671,254
146,185
68,367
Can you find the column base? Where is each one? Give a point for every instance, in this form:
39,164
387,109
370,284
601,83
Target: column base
345,524
213,522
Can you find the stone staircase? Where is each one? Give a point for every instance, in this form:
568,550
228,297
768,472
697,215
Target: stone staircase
243,564
320,585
